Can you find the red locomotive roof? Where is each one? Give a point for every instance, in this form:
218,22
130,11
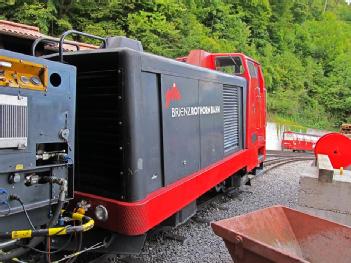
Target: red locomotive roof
199,54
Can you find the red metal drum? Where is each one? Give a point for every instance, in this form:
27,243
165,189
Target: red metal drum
337,147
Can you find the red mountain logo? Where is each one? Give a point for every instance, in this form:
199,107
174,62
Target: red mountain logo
172,94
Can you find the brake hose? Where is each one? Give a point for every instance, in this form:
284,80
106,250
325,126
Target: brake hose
87,224
37,240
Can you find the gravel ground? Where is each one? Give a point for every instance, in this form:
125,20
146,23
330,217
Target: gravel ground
278,186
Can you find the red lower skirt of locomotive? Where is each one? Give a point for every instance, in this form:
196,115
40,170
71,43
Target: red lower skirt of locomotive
136,218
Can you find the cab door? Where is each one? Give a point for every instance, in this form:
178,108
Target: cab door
256,117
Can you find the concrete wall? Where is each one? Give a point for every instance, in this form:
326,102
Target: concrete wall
327,200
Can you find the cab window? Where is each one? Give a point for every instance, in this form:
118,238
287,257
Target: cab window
252,69
230,64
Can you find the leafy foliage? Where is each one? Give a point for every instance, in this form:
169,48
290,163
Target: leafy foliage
305,48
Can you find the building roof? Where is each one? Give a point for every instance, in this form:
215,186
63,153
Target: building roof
32,32
19,30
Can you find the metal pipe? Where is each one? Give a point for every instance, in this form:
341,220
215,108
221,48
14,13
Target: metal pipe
69,32
8,243
50,40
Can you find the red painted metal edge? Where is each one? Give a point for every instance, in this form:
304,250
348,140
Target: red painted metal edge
138,217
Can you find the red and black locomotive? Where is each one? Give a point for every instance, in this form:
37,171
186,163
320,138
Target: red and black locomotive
154,134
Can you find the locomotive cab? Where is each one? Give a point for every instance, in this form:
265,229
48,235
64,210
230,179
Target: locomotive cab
241,65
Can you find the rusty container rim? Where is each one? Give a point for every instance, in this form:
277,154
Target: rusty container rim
257,246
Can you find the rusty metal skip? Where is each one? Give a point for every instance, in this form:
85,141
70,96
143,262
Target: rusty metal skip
280,234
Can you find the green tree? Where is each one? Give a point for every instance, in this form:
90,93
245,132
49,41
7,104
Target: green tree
304,49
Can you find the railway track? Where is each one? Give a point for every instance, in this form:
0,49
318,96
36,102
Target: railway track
282,161
275,159
272,153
